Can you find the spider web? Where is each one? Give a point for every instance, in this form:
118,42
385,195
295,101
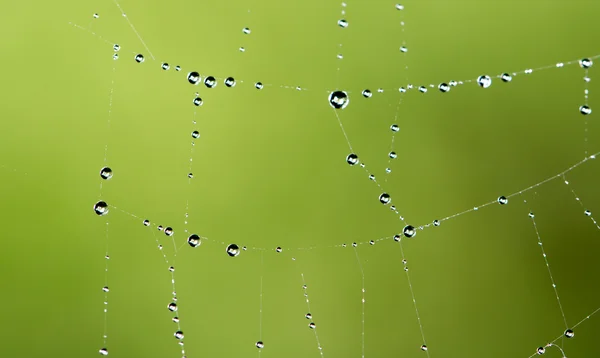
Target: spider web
269,170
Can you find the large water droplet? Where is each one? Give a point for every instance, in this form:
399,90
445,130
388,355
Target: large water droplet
194,240
484,81
101,208
139,58
339,99
106,173
192,77
233,250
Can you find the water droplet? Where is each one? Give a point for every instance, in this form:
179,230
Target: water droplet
176,319
354,244
569,333
160,227
260,345
190,175
194,240
101,208
192,77
409,231
371,242
230,82
422,89
139,58
585,110
505,77
531,215
242,49
233,250
385,198
444,87
258,85
171,269
399,7
502,200
278,249
103,351
178,335
352,159
96,16
371,177
394,128
403,49
541,350
105,289
106,173
169,231
367,93
146,222
484,81
453,83
246,30
165,66
210,82
115,56
116,47
197,101
172,307
388,170
339,99
392,155
397,237
195,134
177,68
436,223
587,213
586,63
343,23
312,325
423,347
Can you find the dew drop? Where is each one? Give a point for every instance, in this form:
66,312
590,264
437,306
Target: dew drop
312,325
352,159
165,66
278,249
246,31
385,198
484,81
403,49
179,335
146,222
397,237
354,244
233,250
230,82
169,231
531,215
308,316
453,83
342,23
172,307
197,101
585,110
96,16
116,47
444,87
399,7
177,68
436,223
115,56
105,289
171,269
423,347
192,77
502,200
195,134
541,350
409,231
139,58
106,173
569,333
394,128
505,77
586,63
194,240
339,99
103,351
101,208
258,85
393,155
587,213
190,175
210,82
176,319
260,345
367,93
422,89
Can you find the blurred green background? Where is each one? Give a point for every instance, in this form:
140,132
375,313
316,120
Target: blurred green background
269,170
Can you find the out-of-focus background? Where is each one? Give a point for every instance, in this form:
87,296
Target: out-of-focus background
269,170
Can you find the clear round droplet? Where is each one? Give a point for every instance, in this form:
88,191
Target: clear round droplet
453,83
103,351
194,240
352,159
105,289
165,66
392,155
175,319
403,49
531,215
367,93
146,222
278,249
116,47
409,231
385,198
339,99
160,227
195,134
444,87
586,63
354,244
260,345
115,56
541,350
308,316
169,231
585,110
312,325
172,307
106,173
587,213
258,85
179,335
171,269
397,237
423,347
139,58
394,128
505,77
503,200
436,223
342,23
399,7
484,81
371,242
101,208
230,82
246,30
96,16
422,89
210,82
197,101
177,68
192,77
190,175
233,250
569,333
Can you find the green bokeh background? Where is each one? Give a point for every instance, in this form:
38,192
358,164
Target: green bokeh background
269,171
